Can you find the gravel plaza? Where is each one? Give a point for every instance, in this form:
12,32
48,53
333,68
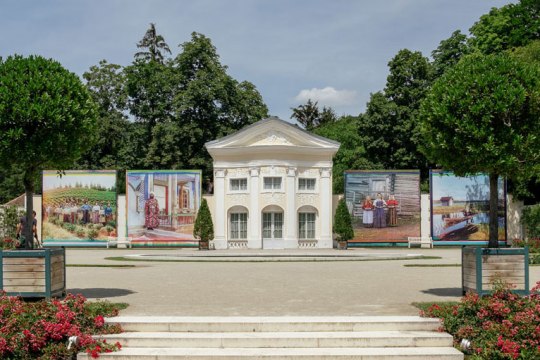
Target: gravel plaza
264,283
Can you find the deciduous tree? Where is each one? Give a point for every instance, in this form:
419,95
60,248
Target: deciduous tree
449,52
510,26
483,116
351,153
47,119
389,126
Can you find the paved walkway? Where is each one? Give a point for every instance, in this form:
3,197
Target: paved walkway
249,288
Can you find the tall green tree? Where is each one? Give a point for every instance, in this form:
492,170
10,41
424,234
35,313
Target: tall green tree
510,26
483,116
153,45
207,104
106,83
115,145
529,53
449,52
11,184
47,120
351,153
150,84
310,117
389,127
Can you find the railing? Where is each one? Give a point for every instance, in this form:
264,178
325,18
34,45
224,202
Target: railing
238,244
307,244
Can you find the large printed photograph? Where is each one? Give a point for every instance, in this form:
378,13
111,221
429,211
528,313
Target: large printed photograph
384,205
162,207
460,208
79,207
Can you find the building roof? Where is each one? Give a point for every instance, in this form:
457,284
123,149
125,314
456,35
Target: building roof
18,201
272,135
447,198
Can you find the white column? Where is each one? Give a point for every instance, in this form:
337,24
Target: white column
254,216
425,216
220,241
325,212
291,237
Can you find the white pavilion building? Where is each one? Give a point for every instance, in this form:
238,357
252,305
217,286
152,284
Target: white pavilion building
272,187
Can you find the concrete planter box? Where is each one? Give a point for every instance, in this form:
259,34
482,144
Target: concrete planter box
481,266
33,273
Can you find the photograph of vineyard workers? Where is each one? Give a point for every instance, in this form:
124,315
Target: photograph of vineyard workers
79,206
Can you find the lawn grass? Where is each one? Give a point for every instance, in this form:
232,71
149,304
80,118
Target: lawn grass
426,304
265,259
105,307
432,265
101,265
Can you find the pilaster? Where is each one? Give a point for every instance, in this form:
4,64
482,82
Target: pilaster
220,241
291,233
325,239
254,217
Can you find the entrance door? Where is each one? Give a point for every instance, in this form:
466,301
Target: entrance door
272,230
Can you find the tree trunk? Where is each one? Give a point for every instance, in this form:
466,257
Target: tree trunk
29,190
493,211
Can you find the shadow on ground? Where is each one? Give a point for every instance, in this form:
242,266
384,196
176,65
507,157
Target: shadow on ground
94,293
444,292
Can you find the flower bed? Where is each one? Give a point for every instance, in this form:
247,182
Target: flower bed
500,326
41,330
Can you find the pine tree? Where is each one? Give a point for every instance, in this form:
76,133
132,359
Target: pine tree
204,228
342,222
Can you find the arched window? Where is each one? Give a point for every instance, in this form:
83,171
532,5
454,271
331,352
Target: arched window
238,223
307,216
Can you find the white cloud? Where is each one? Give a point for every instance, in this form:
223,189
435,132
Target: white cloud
327,96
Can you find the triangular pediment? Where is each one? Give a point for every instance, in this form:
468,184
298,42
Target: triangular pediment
272,137
272,132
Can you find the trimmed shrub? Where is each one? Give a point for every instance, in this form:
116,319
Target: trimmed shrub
204,227
343,223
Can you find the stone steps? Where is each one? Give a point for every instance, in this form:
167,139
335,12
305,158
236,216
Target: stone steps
282,339
314,338
274,324
436,353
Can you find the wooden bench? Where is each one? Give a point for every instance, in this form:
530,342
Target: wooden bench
425,240
113,240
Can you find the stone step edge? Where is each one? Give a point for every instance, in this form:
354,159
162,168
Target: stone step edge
270,319
269,352
277,334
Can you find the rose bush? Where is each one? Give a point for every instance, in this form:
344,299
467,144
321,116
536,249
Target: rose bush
500,326
40,330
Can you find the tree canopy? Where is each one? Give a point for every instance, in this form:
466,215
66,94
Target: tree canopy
351,153
483,116
389,127
510,26
449,52
154,44
47,119
310,117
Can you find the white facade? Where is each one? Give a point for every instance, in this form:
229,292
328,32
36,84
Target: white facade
272,187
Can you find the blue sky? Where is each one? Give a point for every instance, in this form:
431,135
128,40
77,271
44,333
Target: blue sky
53,181
335,51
